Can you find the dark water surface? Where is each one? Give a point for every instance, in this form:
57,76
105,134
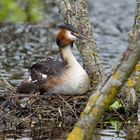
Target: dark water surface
22,45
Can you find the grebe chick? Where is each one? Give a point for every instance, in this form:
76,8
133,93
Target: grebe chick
51,77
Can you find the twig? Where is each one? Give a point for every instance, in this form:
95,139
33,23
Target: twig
68,105
7,85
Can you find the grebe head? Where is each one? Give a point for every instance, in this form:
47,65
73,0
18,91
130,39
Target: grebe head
67,35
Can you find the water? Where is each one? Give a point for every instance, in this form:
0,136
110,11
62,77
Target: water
104,135
112,20
23,45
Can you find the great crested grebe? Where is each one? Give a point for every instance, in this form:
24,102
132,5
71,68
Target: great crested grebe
50,76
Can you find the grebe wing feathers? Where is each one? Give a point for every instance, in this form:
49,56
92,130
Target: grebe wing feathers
46,67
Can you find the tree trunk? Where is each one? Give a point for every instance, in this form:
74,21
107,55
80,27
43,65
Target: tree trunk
76,13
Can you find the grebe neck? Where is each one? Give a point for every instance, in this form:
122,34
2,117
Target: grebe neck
67,56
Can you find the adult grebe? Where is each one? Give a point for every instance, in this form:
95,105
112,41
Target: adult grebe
51,77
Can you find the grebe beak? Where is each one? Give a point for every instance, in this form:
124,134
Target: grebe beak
79,36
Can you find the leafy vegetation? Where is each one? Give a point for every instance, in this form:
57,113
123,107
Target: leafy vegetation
21,11
116,105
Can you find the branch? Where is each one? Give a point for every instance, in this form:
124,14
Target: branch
95,108
136,27
6,84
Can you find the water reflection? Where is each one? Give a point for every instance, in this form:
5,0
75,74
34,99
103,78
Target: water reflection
112,135
107,134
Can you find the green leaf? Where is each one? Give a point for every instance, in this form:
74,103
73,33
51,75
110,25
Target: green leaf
116,105
116,124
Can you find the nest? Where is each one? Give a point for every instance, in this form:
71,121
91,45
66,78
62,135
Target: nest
56,114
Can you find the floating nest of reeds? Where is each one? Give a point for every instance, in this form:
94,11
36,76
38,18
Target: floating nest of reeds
55,114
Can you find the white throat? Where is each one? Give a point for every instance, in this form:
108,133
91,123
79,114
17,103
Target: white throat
68,56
